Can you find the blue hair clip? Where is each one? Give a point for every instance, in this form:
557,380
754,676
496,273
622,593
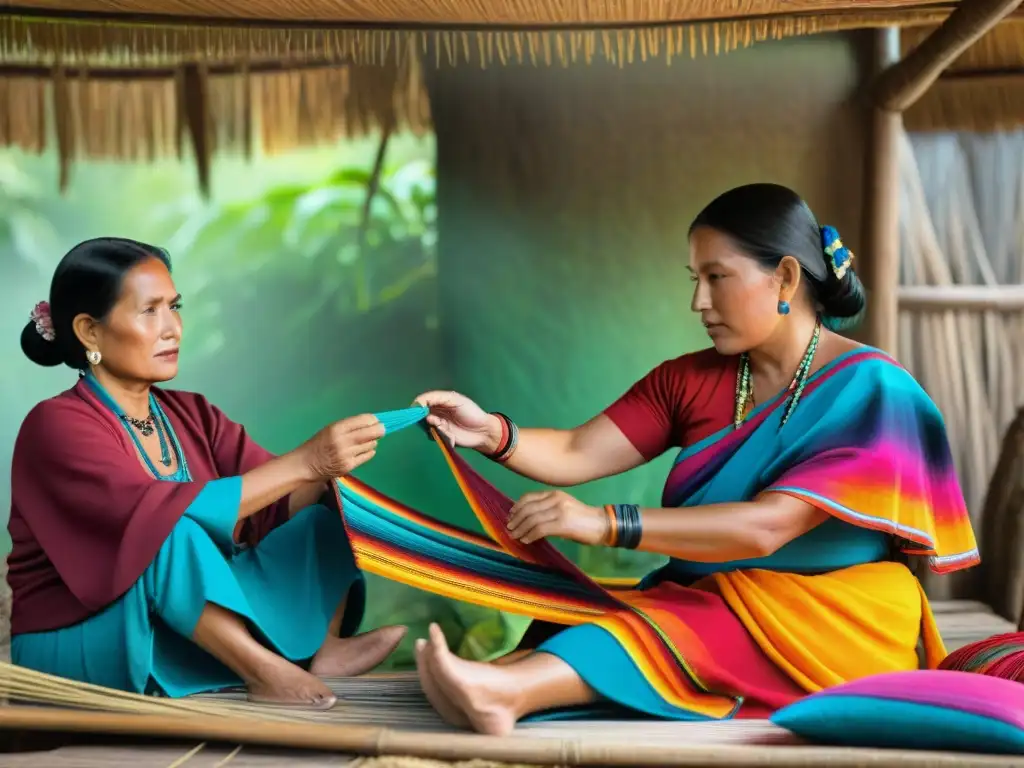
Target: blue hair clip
839,256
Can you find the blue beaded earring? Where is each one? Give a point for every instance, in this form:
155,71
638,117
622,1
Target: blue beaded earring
783,307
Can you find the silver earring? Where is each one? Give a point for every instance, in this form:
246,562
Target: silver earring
93,356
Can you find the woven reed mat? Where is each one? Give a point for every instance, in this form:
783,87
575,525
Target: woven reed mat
397,701
386,717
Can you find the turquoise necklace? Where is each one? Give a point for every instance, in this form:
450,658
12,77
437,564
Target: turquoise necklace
745,384
160,423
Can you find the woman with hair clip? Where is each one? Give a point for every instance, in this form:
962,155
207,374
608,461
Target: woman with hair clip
156,547
809,469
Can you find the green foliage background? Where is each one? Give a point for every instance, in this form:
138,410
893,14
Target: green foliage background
291,324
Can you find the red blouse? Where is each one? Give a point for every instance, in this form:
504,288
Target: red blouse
678,403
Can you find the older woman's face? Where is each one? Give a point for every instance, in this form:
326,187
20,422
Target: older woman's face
738,300
140,337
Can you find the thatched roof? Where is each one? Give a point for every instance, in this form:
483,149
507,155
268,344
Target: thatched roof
522,13
982,91
358,31
120,79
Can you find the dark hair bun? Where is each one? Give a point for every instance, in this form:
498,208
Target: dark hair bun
842,298
39,350
769,222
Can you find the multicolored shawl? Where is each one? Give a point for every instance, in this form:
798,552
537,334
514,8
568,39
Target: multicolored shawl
866,444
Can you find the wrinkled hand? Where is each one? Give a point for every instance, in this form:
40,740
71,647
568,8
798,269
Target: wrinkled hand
341,447
555,513
462,421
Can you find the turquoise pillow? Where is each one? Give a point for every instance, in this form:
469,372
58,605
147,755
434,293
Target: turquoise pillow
923,709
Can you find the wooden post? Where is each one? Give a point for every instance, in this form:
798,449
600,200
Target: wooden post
881,209
899,84
905,82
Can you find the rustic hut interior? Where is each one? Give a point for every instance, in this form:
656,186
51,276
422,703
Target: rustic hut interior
901,119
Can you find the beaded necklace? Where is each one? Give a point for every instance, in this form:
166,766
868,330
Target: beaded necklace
168,439
745,384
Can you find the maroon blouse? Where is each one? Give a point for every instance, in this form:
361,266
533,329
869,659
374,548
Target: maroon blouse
87,518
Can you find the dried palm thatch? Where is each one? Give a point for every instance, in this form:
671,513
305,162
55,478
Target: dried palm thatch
146,114
641,34
982,91
144,80
478,12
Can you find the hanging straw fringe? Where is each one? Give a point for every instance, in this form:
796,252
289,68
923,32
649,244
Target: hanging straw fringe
24,38
23,114
980,105
169,113
117,89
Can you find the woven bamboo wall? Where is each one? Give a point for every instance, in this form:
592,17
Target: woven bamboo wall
961,225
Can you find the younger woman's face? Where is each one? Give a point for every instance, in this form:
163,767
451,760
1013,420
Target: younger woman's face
737,298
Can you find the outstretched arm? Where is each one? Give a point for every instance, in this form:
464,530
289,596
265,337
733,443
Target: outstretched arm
641,425
274,488
566,457
715,533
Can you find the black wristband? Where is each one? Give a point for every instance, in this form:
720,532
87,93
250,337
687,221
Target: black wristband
629,527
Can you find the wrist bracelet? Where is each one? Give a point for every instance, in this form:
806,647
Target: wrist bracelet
509,439
627,527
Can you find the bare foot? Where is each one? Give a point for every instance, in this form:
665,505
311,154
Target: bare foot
448,711
281,683
351,656
486,695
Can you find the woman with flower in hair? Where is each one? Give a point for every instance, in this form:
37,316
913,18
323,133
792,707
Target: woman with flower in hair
809,469
157,548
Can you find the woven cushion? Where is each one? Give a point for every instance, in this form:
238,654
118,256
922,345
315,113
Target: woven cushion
998,656
925,709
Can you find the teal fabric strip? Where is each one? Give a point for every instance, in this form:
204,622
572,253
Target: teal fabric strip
395,421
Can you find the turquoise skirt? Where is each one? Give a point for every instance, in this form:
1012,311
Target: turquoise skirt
287,589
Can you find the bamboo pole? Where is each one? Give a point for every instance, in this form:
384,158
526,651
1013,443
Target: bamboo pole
904,82
520,749
881,206
996,298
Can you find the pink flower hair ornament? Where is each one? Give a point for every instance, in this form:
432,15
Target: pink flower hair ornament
43,321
